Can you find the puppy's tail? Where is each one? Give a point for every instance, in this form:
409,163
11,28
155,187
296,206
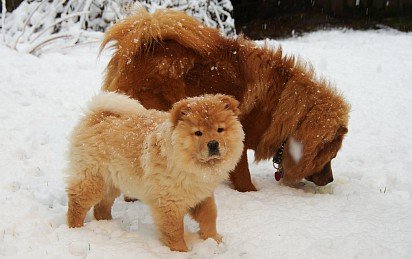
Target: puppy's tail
140,32
114,103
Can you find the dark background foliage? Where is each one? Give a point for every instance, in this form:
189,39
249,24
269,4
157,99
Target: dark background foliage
283,18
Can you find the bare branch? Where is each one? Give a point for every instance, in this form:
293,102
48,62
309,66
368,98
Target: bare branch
47,41
57,22
26,23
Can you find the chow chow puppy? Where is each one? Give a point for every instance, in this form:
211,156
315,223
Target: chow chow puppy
172,161
164,57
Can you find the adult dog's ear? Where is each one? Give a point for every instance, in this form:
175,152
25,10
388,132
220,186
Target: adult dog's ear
338,134
230,103
178,111
333,143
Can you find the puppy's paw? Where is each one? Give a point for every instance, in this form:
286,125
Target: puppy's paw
74,223
179,247
216,237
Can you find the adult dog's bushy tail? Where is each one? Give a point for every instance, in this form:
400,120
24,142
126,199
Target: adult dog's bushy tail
140,31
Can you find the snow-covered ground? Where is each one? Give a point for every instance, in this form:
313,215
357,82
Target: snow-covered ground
365,212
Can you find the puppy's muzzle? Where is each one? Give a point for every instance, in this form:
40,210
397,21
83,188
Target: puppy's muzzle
213,147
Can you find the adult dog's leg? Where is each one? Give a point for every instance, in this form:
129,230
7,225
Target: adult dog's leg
240,177
169,221
206,213
103,210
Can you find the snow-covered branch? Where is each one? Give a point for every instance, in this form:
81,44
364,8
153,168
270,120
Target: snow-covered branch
213,13
36,24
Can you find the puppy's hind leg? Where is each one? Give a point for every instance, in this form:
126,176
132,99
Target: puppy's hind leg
83,193
103,209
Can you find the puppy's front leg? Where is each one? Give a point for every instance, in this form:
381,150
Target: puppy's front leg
206,213
169,221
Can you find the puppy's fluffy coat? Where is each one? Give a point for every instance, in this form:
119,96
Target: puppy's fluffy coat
170,161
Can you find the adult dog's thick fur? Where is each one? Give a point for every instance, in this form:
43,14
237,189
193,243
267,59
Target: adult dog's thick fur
170,161
164,57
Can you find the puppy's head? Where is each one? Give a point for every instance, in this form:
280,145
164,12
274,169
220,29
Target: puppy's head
207,133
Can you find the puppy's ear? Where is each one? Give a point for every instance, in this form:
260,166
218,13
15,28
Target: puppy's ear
178,111
230,103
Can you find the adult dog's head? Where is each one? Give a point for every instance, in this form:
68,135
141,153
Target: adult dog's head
310,156
207,133
322,172
311,119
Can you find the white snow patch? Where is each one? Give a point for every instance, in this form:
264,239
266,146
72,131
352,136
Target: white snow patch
366,212
295,149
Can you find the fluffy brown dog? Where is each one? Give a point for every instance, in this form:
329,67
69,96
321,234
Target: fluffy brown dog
162,58
170,161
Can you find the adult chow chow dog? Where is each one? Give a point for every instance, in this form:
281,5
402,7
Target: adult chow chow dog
170,161
163,57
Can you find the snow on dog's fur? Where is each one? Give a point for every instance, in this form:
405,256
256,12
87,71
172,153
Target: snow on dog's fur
170,161
164,57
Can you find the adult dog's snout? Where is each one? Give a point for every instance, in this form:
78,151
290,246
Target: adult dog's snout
323,177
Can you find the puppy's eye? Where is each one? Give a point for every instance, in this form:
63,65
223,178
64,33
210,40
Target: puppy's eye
198,133
219,130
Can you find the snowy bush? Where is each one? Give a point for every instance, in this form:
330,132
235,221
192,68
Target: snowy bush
37,24
213,13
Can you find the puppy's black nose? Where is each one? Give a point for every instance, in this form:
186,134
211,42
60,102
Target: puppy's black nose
330,180
213,147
